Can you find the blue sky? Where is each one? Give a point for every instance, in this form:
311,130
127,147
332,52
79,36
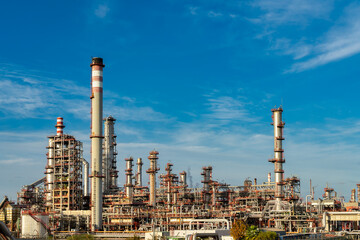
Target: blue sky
193,79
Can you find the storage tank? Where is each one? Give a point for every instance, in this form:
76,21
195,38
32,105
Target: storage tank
33,225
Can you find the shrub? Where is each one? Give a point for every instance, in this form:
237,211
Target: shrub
267,236
81,237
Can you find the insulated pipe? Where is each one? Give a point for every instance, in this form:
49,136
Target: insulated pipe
139,164
278,159
86,177
152,175
96,142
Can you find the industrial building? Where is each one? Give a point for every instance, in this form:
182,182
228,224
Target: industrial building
62,202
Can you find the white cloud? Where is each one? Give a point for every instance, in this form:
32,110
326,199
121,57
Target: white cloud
30,95
102,10
193,10
229,108
341,41
214,14
297,11
298,50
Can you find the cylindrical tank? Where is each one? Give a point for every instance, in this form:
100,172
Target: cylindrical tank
33,225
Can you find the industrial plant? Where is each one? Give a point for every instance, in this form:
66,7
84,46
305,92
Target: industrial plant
76,195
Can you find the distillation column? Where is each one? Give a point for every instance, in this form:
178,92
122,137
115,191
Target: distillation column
353,195
358,192
96,142
139,164
278,159
109,155
152,175
207,173
129,176
183,181
86,177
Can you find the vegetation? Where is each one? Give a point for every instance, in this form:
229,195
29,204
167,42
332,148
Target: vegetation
267,236
238,230
241,231
81,237
252,232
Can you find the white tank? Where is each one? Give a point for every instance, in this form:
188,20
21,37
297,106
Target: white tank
32,225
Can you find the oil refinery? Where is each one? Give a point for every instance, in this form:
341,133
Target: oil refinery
76,195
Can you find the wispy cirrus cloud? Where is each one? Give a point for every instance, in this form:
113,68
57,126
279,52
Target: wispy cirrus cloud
102,10
341,41
228,108
335,42
276,12
32,94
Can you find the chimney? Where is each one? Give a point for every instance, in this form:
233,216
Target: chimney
96,142
59,126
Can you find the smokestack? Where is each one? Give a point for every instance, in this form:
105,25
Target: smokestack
139,164
269,178
152,174
278,159
59,126
128,173
96,142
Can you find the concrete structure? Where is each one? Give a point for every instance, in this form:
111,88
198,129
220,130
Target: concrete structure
96,142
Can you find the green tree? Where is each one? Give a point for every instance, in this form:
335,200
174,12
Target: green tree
252,232
238,230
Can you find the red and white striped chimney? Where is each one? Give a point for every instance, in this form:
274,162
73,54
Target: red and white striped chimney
59,126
